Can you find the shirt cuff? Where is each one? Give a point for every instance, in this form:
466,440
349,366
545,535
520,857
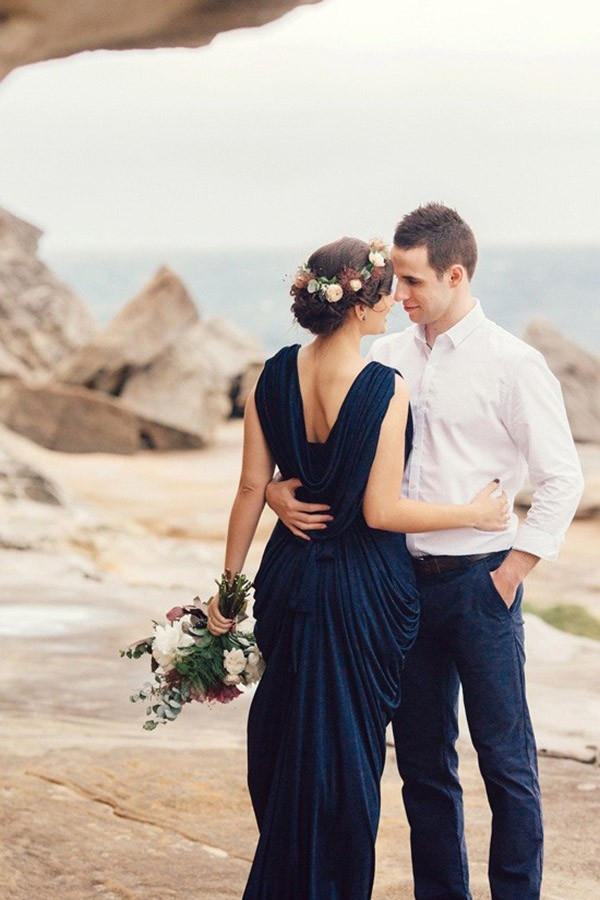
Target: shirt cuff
538,543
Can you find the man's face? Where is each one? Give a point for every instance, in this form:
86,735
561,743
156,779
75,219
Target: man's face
425,297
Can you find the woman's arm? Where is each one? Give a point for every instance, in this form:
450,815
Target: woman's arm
257,470
383,507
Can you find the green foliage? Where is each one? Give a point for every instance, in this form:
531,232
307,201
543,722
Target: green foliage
138,649
233,595
570,617
202,665
169,701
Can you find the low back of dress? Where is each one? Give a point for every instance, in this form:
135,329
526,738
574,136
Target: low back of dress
337,471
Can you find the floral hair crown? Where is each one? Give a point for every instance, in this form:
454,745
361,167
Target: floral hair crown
348,281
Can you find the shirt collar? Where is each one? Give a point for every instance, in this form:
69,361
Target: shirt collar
457,334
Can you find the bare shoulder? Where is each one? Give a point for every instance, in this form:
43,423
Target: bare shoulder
398,406
400,388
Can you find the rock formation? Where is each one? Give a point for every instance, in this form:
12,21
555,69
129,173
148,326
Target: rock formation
579,374
138,335
156,377
165,364
79,420
41,320
34,30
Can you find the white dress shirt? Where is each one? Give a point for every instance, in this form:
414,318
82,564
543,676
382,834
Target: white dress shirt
485,405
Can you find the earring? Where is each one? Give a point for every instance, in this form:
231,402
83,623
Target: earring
363,317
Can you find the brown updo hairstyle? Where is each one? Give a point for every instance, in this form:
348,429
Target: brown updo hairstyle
343,259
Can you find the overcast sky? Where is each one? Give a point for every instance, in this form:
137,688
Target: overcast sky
336,119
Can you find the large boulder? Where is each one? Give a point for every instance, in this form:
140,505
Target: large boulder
237,355
80,420
33,30
198,380
175,376
140,333
183,387
41,320
165,363
579,374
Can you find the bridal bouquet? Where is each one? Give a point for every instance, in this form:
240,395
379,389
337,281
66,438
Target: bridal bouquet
189,663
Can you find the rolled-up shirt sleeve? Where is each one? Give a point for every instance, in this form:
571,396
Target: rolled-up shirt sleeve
537,422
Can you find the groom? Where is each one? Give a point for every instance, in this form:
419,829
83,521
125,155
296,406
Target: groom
484,405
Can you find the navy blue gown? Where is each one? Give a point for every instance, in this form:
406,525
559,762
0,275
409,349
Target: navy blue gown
335,617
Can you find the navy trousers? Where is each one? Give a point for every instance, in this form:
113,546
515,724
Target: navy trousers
468,636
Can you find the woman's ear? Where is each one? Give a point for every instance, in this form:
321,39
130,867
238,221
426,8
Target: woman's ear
359,310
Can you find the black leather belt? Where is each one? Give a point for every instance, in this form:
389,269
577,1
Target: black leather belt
438,565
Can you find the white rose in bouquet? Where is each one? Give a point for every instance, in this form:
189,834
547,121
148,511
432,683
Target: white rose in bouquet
169,639
234,661
255,666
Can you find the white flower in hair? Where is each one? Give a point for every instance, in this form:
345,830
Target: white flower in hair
355,285
377,258
333,293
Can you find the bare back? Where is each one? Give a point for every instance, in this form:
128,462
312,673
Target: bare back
324,380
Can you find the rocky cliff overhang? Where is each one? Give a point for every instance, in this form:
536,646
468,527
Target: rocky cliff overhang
35,30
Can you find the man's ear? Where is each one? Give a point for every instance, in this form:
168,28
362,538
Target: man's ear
456,274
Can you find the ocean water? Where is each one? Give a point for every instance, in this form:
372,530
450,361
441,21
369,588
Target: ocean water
251,289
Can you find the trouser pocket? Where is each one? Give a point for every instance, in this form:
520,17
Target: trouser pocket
495,599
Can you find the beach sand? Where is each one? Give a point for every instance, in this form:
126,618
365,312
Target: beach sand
93,806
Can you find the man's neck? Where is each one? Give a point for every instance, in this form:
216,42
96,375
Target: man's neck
458,311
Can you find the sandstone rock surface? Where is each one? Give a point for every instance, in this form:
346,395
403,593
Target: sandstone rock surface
143,329
166,364
156,377
79,420
34,30
41,320
95,806
21,481
579,374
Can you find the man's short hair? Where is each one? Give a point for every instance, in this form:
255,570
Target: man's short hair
448,238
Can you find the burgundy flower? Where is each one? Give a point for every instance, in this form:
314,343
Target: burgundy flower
176,613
